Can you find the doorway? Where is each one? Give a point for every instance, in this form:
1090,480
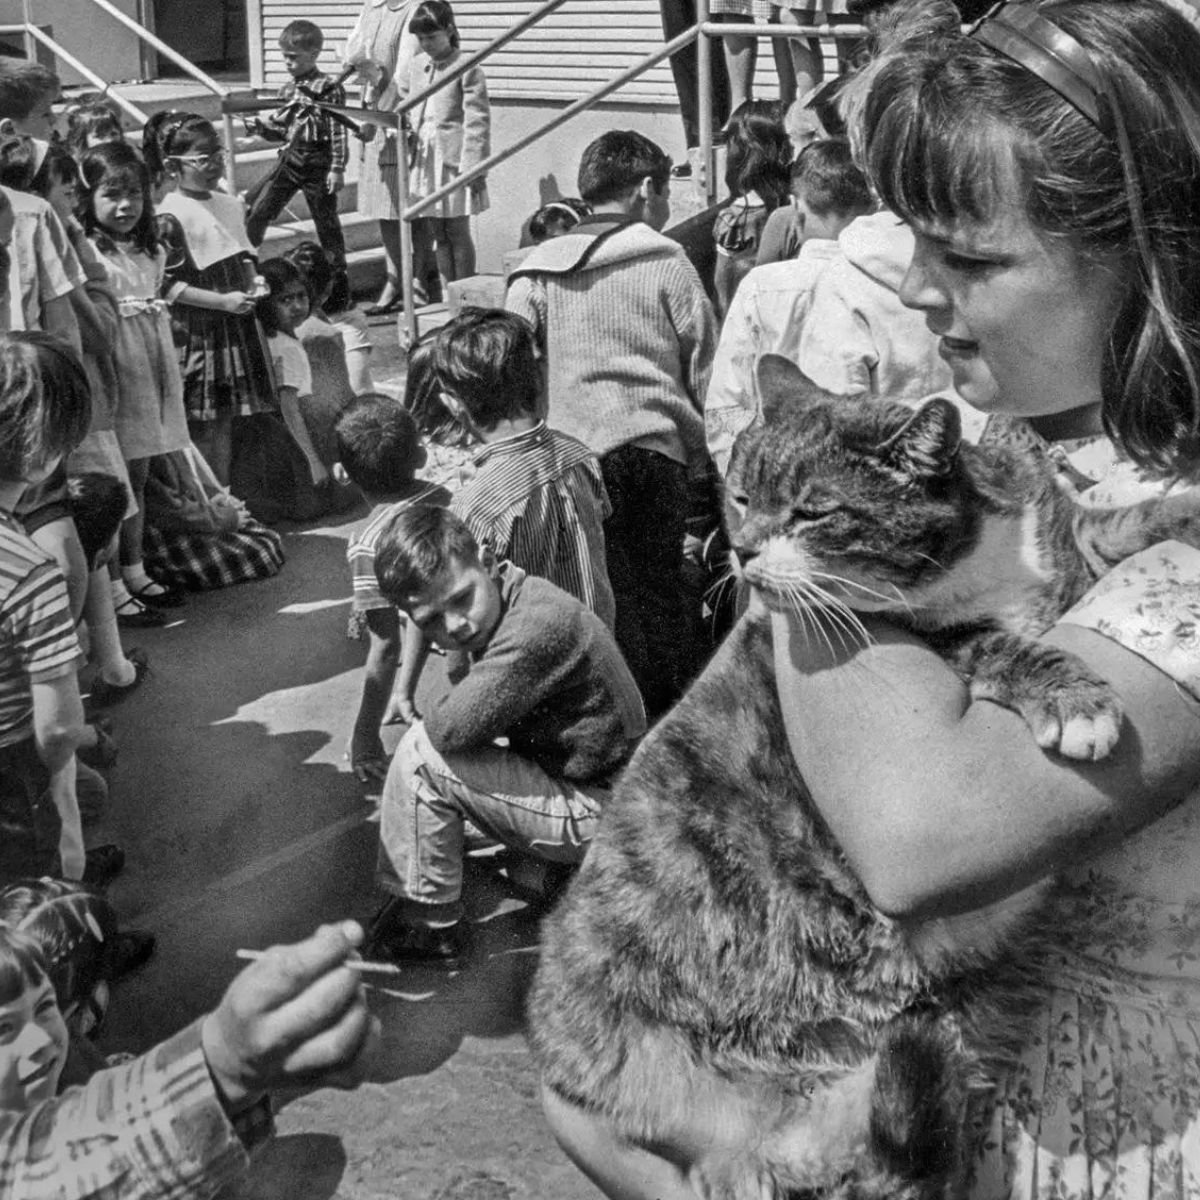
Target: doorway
212,35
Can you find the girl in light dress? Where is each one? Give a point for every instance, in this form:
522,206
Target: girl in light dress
118,219
451,133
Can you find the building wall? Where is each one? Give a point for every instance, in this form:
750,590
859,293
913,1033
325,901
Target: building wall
92,36
581,45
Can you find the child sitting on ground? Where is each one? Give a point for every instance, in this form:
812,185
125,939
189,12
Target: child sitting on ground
543,673
85,952
768,313
537,498
380,452
33,1057
449,444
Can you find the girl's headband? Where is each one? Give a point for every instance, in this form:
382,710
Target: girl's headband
1048,51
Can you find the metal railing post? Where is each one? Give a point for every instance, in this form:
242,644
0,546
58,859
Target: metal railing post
27,20
704,104
408,319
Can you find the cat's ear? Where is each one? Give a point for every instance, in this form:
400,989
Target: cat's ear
927,444
782,386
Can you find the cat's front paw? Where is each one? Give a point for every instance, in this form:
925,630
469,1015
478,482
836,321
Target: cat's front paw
1088,735
1068,707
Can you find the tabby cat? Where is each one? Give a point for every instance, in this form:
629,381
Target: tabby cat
716,982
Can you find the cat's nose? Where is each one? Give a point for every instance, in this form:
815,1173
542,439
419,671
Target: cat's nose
743,556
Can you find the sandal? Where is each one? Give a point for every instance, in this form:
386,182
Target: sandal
165,597
133,614
104,752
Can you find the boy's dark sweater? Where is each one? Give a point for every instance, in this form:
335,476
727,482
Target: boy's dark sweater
551,680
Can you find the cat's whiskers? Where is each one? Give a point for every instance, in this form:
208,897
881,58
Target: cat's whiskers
839,613
895,597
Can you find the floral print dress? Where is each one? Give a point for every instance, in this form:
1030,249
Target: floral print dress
1106,1100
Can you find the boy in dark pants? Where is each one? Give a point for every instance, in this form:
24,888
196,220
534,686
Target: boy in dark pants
313,157
629,337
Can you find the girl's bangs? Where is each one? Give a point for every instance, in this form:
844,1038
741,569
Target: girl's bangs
21,966
933,162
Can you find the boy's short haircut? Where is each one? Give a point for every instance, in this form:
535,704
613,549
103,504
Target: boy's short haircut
97,503
418,544
378,444
45,402
617,162
486,358
16,163
23,83
825,178
302,35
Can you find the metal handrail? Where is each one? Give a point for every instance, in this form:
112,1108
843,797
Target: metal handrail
189,68
595,96
39,35
500,40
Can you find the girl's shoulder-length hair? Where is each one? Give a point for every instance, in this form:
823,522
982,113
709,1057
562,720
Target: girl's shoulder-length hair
117,161
953,131
22,964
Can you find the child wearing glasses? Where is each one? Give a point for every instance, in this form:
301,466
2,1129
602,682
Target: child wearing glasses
212,284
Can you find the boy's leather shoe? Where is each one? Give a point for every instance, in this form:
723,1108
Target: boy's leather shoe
395,940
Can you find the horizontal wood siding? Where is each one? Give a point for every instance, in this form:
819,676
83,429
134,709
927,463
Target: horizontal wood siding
574,50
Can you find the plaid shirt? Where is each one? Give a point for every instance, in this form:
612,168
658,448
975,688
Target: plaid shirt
538,499
306,129
149,1129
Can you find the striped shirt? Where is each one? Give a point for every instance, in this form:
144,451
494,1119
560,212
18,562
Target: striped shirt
37,636
146,1130
360,552
538,499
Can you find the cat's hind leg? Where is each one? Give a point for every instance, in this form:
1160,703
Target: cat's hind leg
1066,705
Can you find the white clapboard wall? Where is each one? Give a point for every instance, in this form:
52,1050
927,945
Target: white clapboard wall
584,44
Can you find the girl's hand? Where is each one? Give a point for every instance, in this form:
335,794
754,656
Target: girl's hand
401,710
237,304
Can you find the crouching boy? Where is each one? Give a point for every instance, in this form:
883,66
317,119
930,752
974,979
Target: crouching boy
545,675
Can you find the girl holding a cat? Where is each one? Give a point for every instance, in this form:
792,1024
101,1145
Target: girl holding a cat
1047,163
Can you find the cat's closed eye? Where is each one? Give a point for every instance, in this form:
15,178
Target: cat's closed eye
813,512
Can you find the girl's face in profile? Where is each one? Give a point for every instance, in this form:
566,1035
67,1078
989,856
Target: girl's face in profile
291,305
33,1047
1023,321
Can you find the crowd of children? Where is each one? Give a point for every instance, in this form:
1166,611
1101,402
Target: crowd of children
532,499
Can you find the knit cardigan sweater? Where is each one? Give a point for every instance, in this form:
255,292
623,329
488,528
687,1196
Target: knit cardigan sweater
628,333
551,680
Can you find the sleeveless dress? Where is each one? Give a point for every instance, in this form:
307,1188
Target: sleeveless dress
1106,1099
223,358
150,417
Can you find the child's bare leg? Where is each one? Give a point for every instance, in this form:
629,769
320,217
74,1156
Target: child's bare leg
808,68
741,54
107,651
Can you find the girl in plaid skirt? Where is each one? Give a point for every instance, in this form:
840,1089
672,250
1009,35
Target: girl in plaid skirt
212,285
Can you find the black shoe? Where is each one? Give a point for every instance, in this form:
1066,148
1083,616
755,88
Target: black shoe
165,597
132,948
103,693
393,939
133,614
102,865
104,753
681,170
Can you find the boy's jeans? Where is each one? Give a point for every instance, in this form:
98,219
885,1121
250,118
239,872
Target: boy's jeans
426,798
